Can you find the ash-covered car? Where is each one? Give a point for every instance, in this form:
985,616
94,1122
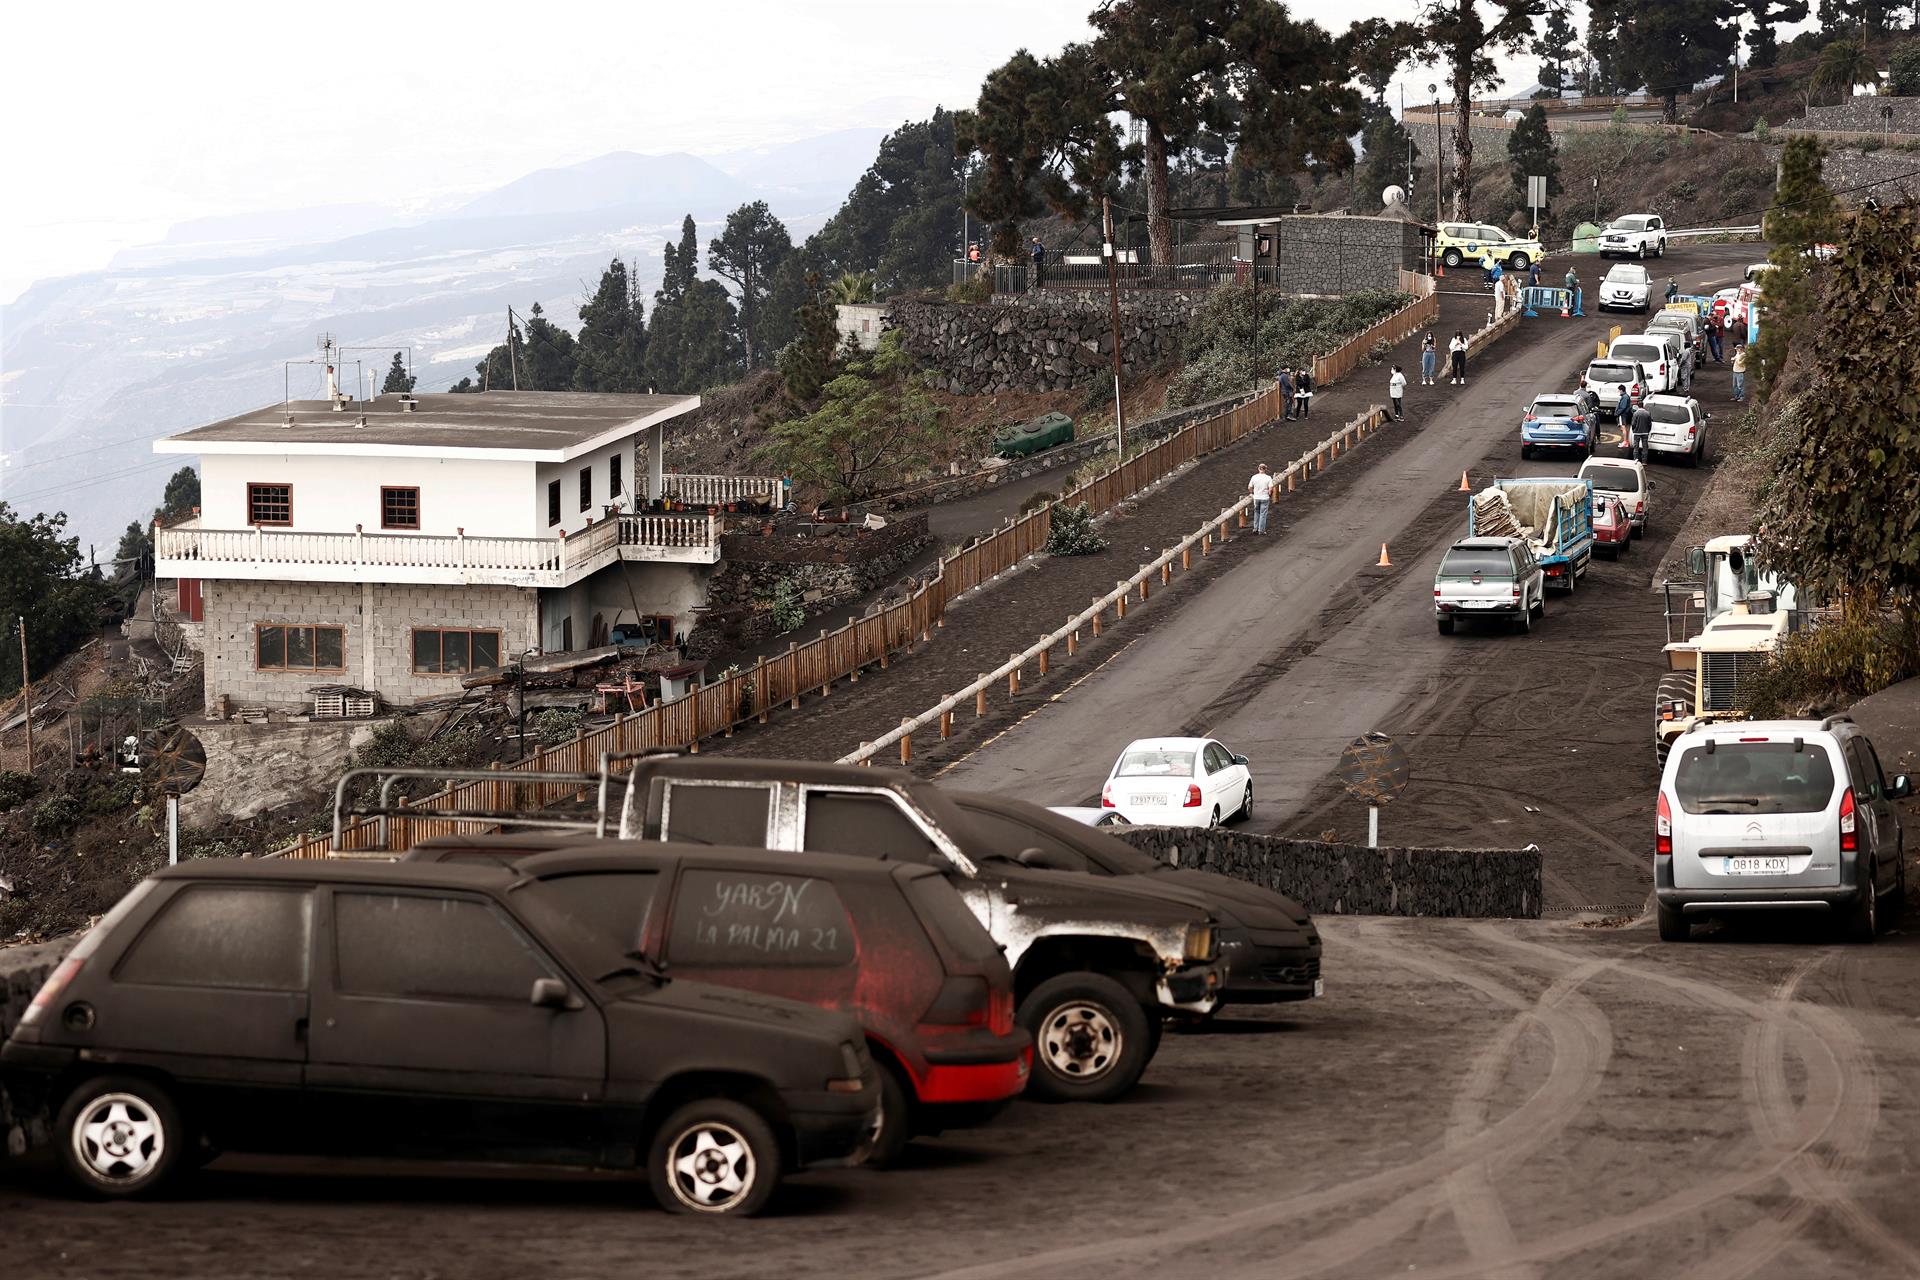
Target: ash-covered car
356,1009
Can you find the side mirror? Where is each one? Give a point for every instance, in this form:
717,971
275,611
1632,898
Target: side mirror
1900,788
550,993
1697,561
1056,860
1238,759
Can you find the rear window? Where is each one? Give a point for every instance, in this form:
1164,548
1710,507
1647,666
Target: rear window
741,919
1673,413
1754,777
1463,562
944,912
1611,373
1155,762
250,937
1554,408
1617,479
1644,351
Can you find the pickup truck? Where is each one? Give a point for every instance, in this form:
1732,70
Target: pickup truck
1636,235
1554,514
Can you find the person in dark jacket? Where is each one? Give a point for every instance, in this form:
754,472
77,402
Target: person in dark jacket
1642,428
1038,252
1302,392
1623,408
1286,392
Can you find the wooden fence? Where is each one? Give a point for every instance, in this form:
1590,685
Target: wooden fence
1393,330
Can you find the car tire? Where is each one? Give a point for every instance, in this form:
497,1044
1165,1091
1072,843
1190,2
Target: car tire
895,1128
1641,250
1245,810
1519,262
1445,625
1526,621
1451,258
1674,926
715,1157
1862,922
1213,819
1091,1038
1526,453
121,1136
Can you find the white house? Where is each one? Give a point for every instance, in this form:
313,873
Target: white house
398,543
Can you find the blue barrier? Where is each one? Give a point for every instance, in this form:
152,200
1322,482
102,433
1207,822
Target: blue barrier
1543,297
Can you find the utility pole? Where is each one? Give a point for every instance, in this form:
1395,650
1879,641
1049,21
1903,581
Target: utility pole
26,691
1113,316
1409,133
1439,158
512,363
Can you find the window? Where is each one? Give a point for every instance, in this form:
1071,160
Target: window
1464,562
944,911
1754,777
410,945
586,488
1155,762
297,648
399,508
553,502
614,489
743,919
269,504
717,815
872,826
251,937
608,907
442,651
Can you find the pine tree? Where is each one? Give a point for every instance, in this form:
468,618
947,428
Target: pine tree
611,353
549,357
1530,153
1672,43
807,362
748,252
1763,43
397,377
682,265
1555,49
1385,163
182,493
136,548
1458,35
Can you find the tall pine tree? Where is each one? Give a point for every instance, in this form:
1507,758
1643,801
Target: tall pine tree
748,251
1673,44
398,379
1555,49
1463,38
611,351
549,359
1530,153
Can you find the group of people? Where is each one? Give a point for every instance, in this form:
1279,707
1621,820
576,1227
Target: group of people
1296,392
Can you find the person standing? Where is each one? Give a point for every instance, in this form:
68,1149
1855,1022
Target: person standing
1486,270
1286,392
1623,411
1396,392
1715,327
1642,428
1673,288
1302,392
1260,489
1037,252
1494,273
1740,372
1457,359
1429,359
1533,274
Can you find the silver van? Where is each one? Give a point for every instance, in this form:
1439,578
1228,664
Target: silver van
1777,813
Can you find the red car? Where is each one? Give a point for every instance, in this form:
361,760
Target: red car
1612,529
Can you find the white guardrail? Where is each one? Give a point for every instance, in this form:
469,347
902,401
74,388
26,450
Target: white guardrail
1317,458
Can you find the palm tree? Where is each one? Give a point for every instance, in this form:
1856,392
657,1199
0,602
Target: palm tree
1844,64
851,287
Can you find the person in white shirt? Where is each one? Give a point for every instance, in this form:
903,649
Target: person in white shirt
1457,359
1260,489
1396,392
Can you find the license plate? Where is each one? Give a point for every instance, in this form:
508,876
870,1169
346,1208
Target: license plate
1319,987
1148,799
1753,866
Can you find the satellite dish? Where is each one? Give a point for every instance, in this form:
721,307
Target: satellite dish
1393,196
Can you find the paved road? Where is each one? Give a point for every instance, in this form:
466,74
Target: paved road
1304,646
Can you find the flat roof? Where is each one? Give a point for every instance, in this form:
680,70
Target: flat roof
539,426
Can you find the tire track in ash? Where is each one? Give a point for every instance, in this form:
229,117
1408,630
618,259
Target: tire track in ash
1581,1040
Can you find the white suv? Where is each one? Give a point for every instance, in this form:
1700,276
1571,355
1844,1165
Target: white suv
1637,235
1652,353
1777,813
1627,288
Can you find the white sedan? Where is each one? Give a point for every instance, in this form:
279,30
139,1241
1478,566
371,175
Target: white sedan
1179,782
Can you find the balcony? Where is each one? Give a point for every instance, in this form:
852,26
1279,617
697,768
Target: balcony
186,550
752,493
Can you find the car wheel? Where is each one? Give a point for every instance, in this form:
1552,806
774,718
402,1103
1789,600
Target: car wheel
1573,580
1246,806
1863,919
1091,1038
715,1156
1445,625
120,1136
1526,452
1451,258
1642,250
893,1127
1661,252
1526,620
1673,923
1213,819
1519,262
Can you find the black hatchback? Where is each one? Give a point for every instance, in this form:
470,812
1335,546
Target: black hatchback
425,1011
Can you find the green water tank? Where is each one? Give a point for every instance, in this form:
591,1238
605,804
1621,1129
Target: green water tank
1044,432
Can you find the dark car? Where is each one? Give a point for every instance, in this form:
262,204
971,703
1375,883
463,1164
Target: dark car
347,1009
1268,944
1096,964
890,943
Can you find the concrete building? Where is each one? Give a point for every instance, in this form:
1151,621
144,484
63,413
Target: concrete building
861,323
397,544
1328,253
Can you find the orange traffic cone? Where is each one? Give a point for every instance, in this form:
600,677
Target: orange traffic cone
1439,270
1464,486
1383,562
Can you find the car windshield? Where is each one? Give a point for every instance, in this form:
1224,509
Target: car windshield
1610,373
1462,562
1754,777
1624,274
1155,762
1627,224
1613,479
1671,413
1557,407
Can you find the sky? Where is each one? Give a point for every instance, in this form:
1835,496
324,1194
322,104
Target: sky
161,114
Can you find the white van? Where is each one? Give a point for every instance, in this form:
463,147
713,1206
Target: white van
1655,355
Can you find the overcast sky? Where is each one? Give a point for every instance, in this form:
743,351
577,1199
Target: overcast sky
124,119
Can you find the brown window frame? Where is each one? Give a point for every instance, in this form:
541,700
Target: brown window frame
614,486
313,646
413,489
553,503
586,488
413,640
269,524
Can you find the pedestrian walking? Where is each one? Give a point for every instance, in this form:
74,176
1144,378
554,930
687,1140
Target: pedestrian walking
1396,392
1573,281
1673,288
1623,412
1457,359
973,252
1642,428
1038,252
1716,327
1740,372
1260,489
1286,393
1429,359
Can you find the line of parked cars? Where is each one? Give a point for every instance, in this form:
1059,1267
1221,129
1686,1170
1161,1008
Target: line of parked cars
762,967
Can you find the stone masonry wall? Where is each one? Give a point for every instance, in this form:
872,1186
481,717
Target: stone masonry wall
1335,255
1344,879
833,563
378,619
1047,342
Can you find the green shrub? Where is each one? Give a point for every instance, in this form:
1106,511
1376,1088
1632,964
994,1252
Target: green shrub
1219,342
1072,533
117,796
787,604
1833,666
555,725
1683,191
978,288
1762,132
16,788
1903,68
55,816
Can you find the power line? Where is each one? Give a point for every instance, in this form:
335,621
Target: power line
94,479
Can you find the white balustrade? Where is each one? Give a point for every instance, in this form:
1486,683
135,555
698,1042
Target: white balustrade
715,491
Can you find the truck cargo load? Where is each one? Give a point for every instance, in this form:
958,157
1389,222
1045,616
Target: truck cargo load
1553,513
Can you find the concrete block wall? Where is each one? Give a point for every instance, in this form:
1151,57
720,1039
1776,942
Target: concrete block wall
1338,255
378,619
1344,879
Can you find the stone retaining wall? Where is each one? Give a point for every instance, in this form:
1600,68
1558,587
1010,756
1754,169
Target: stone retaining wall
1862,115
1050,342
1345,879
22,970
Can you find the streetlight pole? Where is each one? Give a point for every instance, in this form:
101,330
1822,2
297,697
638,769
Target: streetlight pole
1439,159
1113,316
1409,133
26,691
